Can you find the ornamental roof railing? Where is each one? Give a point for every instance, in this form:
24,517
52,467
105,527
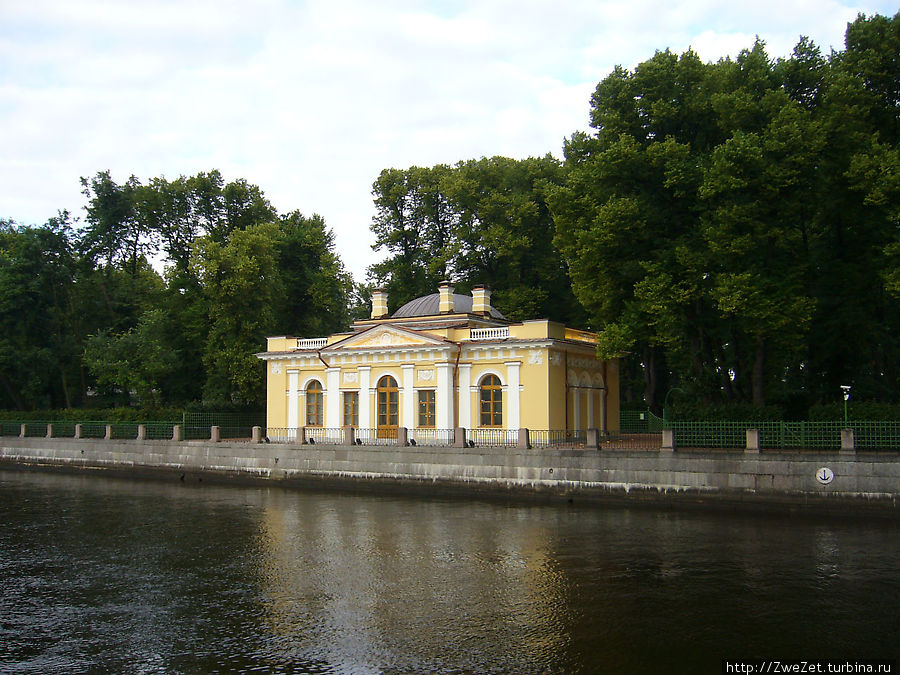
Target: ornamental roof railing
489,333
311,343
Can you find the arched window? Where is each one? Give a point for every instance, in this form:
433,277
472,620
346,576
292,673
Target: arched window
388,407
314,404
491,397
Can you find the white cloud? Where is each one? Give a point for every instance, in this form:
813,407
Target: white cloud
310,100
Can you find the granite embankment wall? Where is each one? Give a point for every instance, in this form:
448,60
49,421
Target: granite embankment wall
861,483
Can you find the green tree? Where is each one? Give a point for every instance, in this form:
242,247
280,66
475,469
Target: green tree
242,287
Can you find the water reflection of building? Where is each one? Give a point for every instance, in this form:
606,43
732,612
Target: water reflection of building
439,362
362,583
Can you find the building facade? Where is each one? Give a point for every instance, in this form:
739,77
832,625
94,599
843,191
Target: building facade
440,362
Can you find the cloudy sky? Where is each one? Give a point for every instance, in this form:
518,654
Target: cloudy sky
310,100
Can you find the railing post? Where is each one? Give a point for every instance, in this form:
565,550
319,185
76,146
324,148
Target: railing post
402,436
459,437
108,436
49,431
78,430
848,443
22,430
142,432
668,441
592,439
214,435
348,436
301,435
256,435
177,433
523,442
752,446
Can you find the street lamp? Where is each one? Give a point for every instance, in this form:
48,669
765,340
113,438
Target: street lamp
846,390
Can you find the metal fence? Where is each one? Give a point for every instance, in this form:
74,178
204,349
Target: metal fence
431,436
556,438
498,438
376,436
324,436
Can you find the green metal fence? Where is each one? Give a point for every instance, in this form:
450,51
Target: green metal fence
872,435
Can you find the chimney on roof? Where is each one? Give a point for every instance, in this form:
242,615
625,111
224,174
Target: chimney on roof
481,300
379,303
446,291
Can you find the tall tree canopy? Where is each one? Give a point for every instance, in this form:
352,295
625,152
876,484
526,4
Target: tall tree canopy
733,225
86,318
479,221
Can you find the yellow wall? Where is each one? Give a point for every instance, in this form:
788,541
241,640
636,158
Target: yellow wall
545,401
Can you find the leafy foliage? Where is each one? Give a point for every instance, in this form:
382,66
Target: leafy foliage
733,225
87,320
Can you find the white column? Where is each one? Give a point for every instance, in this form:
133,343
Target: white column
465,395
365,409
293,416
513,414
332,398
408,411
443,400
576,409
589,394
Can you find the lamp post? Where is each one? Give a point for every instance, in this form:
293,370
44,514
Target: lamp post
846,390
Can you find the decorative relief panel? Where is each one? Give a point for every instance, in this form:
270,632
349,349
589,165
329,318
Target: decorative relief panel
425,375
536,357
386,338
555,359
276,367
351,377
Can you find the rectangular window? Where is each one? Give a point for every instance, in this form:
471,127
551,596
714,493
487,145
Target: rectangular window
426,408
351,408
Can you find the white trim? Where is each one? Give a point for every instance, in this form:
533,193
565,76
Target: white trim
408,405
443,403
513,372
485,373
293,411
465,395
365,398
309,379
332,398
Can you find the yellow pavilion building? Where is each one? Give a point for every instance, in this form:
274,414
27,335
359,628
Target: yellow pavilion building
441,362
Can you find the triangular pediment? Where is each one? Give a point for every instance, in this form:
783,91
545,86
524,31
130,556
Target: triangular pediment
384,336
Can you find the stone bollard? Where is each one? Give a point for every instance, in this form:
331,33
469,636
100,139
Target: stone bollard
177,434
349,438
523,442
256,435
22,431
752,442
142,432
78,431
214,435
459,437
402,436
848,443
49,431
592,439
108,436
668,441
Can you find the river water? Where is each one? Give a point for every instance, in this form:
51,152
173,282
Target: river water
105,574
